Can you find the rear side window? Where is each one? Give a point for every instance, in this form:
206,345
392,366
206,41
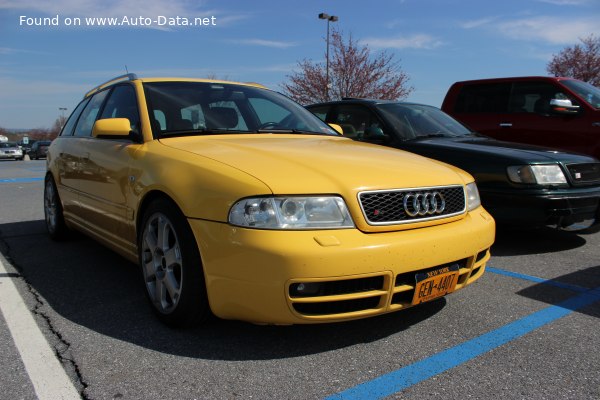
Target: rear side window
483,98
68,128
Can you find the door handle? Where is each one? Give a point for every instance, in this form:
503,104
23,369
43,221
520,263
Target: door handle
505,124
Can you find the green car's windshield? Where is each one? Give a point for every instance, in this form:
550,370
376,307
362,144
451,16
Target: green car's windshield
414,121
590,93
197,108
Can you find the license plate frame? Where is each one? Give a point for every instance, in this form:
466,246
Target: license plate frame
436,283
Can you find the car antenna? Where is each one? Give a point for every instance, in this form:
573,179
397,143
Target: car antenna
126,70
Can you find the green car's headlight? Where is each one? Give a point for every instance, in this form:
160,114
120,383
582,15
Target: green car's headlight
313,212
473,200
537,174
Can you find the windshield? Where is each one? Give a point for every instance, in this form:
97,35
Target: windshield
414,121
6,145
196,108
589,93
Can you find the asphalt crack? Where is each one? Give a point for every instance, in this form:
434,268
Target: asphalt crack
60,345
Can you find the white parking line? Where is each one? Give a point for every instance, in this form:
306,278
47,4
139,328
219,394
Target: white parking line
45,371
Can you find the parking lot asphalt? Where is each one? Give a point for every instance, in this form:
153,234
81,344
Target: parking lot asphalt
528,329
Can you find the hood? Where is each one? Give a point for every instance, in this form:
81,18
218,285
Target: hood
306,164
296,164
510,152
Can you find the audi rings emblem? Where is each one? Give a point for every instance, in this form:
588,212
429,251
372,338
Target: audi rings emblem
422,204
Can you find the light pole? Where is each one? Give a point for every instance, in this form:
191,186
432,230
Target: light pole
62,110
332,18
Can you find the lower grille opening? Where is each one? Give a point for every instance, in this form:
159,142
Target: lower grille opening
337,307
481,255
332,288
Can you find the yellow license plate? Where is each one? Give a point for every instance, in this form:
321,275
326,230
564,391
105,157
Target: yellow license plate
434,284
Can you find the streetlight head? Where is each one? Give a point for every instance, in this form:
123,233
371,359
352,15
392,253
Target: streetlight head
323,16
333,18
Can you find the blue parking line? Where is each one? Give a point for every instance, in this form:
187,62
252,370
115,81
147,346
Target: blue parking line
20,180
535,279
410,375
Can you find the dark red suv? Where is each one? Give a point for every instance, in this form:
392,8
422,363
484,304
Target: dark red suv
562,113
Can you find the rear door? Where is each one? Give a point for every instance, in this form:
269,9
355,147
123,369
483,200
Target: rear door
484,109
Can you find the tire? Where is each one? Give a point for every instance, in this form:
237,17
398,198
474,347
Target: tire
171,266
53,211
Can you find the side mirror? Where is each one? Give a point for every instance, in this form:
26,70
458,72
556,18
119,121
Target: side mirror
563,106
112,128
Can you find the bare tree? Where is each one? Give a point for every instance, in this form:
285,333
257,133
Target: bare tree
353,72
581,61
57,127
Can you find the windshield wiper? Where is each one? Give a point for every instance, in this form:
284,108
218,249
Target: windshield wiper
430,135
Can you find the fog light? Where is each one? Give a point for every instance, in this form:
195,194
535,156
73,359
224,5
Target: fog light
305,289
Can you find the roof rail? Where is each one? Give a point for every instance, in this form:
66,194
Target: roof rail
120,78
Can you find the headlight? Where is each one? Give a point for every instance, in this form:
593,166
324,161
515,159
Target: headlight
326,212
473,200
540,174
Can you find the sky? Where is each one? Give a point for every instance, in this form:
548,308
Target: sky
47,67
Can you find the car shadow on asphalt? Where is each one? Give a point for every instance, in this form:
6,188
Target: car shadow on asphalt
93,287
569,291
536,241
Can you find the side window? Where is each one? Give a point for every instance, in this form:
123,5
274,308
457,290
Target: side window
354,120
122,103
483,98
89,114
534,97
68,128
320,111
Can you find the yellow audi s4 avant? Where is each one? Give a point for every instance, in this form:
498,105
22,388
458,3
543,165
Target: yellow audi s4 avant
236,201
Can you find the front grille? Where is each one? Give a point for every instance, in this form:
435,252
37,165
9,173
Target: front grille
387,207
584,173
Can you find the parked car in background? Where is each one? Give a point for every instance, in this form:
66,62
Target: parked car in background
561,113
520,185
236,200
10,151
39,149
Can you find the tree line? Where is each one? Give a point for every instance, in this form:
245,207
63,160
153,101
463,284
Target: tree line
36,133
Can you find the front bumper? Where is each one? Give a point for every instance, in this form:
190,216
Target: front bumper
577,209
249,272
11,156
